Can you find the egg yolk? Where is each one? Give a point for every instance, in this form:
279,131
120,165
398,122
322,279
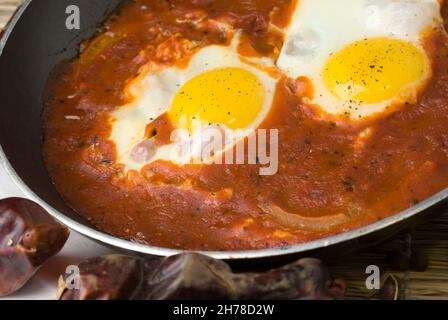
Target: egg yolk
233,97
373,70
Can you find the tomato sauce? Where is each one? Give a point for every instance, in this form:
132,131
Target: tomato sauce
330,178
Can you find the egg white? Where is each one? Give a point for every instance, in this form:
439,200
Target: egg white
320,28
153,94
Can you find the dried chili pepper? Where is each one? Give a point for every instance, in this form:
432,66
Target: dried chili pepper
29,236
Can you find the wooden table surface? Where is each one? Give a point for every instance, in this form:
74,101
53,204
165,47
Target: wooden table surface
6,9
431,238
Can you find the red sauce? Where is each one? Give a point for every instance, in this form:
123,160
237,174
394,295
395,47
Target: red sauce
327,178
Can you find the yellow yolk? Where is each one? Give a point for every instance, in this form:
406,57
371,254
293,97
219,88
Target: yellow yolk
233,97
373,70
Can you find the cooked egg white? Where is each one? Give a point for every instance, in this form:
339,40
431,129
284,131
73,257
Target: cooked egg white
361,56
216,91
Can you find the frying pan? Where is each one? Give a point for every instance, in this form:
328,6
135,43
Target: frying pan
35,40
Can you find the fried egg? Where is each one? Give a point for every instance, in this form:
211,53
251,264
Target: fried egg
217,91
361,56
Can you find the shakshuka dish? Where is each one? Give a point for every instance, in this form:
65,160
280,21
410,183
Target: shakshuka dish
319,117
